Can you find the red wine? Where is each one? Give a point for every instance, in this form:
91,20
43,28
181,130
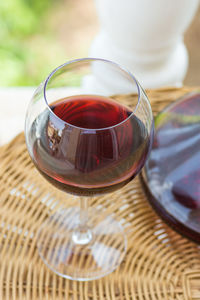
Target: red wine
174,166
98,148
90,112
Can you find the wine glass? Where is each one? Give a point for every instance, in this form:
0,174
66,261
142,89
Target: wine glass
84,141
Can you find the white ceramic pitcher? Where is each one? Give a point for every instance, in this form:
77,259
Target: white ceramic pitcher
146,37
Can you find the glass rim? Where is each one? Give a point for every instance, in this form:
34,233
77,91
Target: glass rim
100,60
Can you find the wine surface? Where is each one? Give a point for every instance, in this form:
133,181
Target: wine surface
89,144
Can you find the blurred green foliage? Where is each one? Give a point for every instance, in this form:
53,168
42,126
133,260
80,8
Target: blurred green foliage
24,42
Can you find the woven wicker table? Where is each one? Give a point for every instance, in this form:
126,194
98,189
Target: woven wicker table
160,264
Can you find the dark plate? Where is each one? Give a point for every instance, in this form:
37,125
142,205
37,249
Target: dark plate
171,176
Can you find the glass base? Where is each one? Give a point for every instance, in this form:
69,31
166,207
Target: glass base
59,247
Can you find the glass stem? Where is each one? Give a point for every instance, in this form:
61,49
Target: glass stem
82,234
83,211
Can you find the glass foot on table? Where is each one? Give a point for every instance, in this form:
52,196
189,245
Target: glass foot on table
101,253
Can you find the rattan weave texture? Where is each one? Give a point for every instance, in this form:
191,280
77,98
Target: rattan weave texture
160,264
